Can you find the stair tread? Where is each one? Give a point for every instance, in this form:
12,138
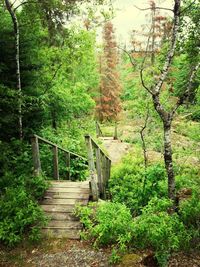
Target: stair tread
64,195
64,224
60,233
62,216
68,190
63,201
58,208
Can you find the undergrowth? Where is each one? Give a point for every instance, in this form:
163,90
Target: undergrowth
140,213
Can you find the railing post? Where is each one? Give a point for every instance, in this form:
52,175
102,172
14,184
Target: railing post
98,167
68,165
108,166
36,156
91,164
115,137
98,130
103,160
55,163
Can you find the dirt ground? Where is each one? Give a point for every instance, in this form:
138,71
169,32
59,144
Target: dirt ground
70,253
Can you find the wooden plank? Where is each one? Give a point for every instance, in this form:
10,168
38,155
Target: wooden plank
90,154
69,182
98,130
98,166
55,163
36,156
64,150
58,208
57,195
62,216
68,165
94,180
108,169
64,224
115,137
70,185
64,201
62,233
69,190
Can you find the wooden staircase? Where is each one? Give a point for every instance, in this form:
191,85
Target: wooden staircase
62,196
59,203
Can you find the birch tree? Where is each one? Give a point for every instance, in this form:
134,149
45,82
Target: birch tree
12,11
166,115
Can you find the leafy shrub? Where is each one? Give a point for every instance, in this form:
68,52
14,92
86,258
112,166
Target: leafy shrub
187,177
158,230
190,215
196,115
107,223
19,212
132,185
190,211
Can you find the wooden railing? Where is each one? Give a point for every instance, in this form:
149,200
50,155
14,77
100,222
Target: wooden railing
55,148
99,132
99,165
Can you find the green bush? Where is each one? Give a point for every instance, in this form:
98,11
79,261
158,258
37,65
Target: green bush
158,230
19,213
190,215
196,115
107,223
132,185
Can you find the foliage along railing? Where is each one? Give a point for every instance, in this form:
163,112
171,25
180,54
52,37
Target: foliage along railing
99,165
55,148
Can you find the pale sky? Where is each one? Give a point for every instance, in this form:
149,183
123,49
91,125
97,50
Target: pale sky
128,17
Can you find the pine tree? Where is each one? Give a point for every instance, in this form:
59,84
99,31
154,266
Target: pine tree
109,106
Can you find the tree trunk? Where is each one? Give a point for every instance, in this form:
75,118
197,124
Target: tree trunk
153,36
168,161
18,74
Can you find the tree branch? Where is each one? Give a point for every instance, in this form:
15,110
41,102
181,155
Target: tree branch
129,55
142,65
186,8
23,3
13,3
187,92
150,8
49,85
172,48
143,83
142,137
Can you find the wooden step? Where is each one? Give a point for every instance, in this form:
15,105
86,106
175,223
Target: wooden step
69,201
62,233
62,216
58,208
55,184
59,195
63,225
69,190
59,205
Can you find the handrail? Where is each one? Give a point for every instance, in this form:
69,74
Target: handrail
99,132
64,150
36,156
96,145
100,166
